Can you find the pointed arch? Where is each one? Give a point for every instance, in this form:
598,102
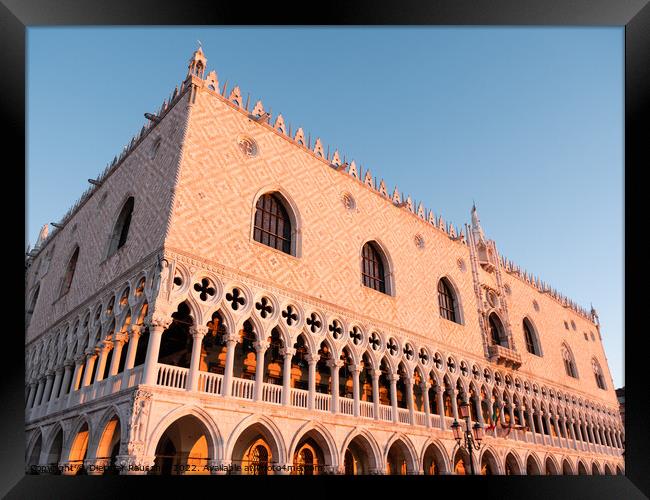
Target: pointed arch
248,431
531,337
569,361
213,435
551,466
276,221
497,331
533,465
434,458
449,300
322,436
513,465
121,227
489,463
66,282
365,452
377,267
399,448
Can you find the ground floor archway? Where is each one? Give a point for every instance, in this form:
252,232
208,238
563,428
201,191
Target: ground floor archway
183,449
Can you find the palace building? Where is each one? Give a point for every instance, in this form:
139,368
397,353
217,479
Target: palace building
230,297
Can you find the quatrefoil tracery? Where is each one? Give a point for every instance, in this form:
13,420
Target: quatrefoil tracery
290,315
204,289
355,335
313,322
235,298
336,330
408,352
424,357
374,341
265,307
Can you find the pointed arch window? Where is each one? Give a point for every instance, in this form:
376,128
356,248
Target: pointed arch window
447,301
32,305
69,272
598,374
272,225
497,333
121,229
569,362
532,342
373,270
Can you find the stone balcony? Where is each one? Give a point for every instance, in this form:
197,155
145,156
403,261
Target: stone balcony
212,385
504,356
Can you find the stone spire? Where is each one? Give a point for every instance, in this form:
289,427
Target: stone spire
42,236
476,225
197,63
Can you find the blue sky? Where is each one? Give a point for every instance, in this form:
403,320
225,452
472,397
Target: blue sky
528,122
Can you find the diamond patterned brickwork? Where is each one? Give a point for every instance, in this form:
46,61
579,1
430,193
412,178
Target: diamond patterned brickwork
214,209
151,183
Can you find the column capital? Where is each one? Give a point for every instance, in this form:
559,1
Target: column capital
120,337
261,345
81,359
375,372
49,374
105,345
133,330
198,331
425,385
335,363
69,363
312,358
288,351
159,321
393,377
92,352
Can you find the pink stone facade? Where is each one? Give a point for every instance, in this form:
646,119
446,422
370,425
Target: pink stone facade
195,201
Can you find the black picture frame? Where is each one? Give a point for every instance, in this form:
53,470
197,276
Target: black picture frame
634,15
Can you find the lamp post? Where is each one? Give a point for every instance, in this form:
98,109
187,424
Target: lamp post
471,438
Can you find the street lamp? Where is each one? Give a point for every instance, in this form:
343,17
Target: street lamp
471,438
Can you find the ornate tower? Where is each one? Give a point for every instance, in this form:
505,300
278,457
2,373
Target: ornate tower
197,64
498,341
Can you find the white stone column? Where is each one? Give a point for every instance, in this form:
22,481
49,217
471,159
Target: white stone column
476,401
288,353
67,377
56,386
260,349
454,403
76,376
32,394
134,333
441,406
156,328
511,411
312,360
104,349
335,366
425,401
394,377
198,332
409,400
118,344
91,357
375,392
231,344
39,391
49,379
355,388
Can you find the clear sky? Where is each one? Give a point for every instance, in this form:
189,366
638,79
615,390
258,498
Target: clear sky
528,122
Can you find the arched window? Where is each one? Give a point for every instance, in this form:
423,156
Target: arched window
373,273
272,226
69,273
569,363
32,305
447,301
121,229
532,342
598,373
497,335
